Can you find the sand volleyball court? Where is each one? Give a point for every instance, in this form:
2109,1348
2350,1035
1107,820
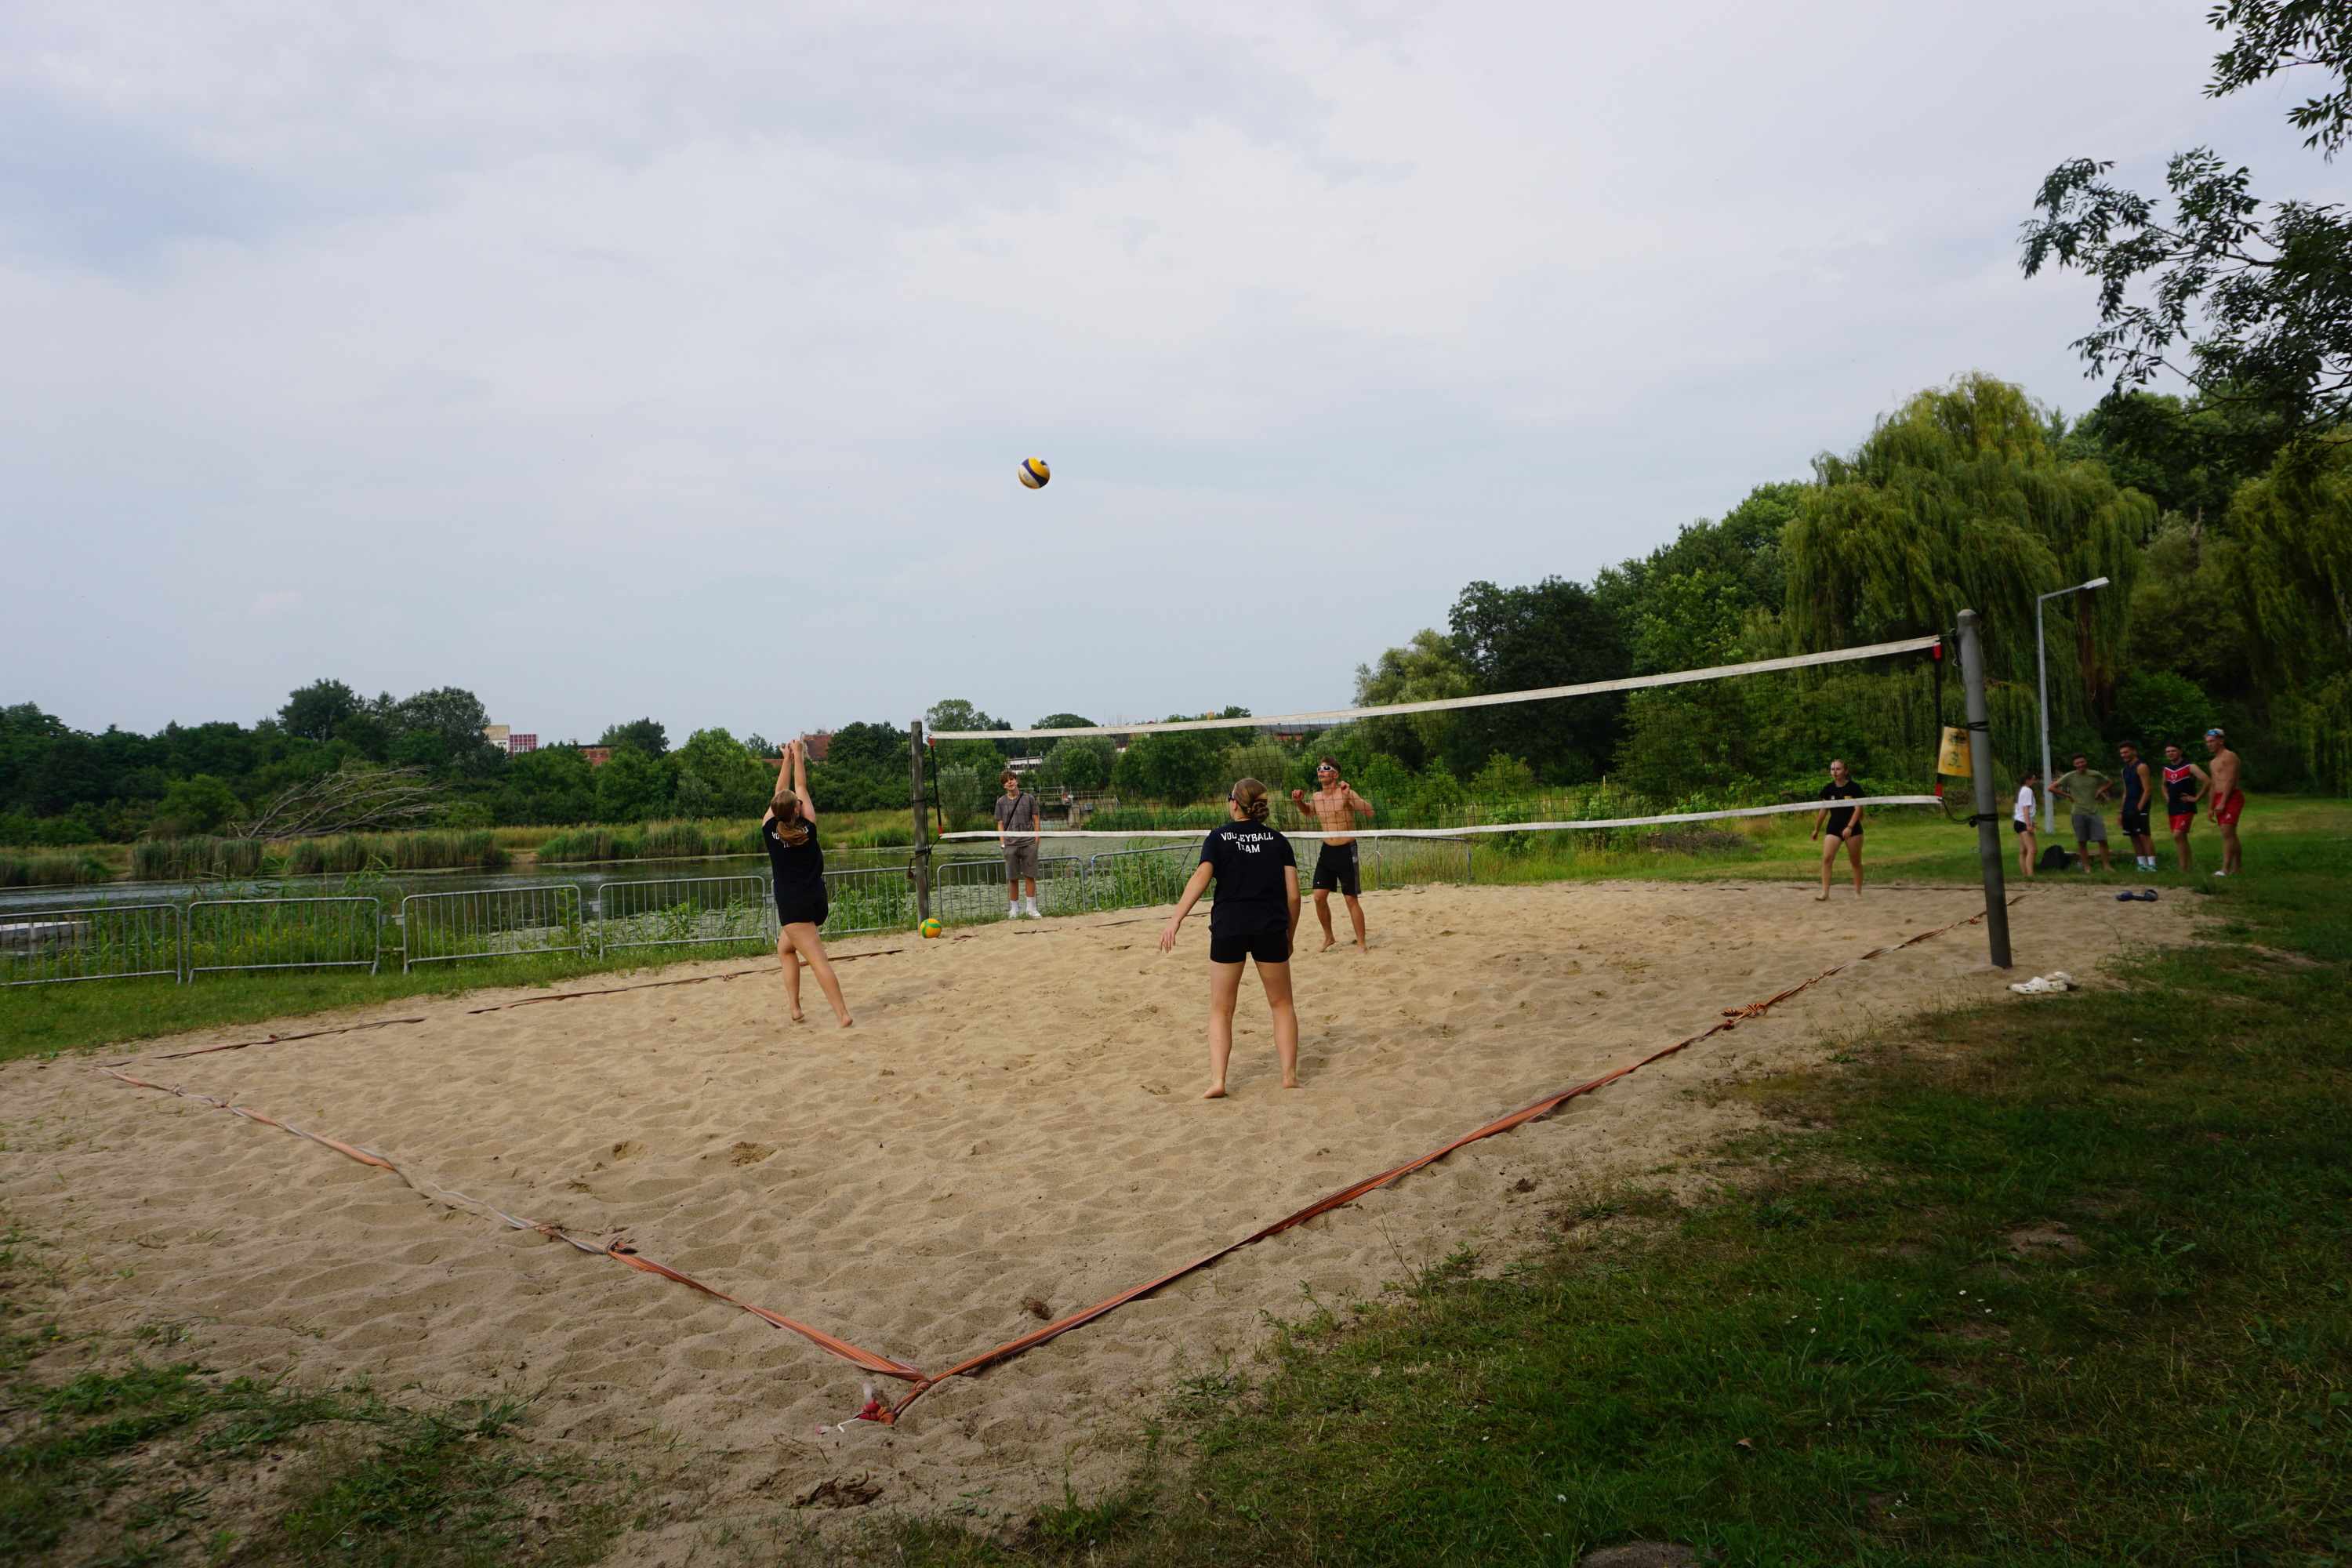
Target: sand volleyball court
1014,1126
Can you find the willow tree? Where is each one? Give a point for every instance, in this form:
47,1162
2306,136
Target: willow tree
2292,576
1960,499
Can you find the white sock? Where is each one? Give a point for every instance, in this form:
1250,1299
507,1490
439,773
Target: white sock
1012,910
1030,905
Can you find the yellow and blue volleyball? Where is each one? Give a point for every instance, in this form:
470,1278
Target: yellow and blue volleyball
1035,473
930,929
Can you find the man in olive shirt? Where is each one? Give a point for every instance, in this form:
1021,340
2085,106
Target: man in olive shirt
1016,831
2083,791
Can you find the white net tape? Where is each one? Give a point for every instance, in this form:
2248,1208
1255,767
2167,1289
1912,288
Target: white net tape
1667,820
1543,694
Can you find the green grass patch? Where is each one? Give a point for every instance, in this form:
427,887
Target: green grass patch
2050,1282
68,869
129,1461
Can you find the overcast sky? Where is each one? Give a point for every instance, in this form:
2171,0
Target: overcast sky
613,359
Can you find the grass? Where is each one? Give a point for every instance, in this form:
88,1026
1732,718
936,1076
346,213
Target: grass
69,869
2059,1282
111,1458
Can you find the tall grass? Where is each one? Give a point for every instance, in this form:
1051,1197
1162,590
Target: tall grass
429,851
179,860
52,870
652,841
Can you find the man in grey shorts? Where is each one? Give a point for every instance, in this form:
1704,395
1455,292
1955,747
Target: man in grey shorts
1016,830
2082,790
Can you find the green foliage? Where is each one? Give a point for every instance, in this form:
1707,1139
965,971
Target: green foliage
1429,668
52,870
2155,707
1175,767
2293,568
964,795
199,858
316,711
1555,633
718,775
2249,307
1085,763
646,735
632,788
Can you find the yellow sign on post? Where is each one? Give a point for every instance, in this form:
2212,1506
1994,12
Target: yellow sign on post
1953,760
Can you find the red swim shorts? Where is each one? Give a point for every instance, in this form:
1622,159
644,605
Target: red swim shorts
2228,811
2182,821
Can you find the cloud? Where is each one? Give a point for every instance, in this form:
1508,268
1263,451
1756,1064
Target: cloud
609,360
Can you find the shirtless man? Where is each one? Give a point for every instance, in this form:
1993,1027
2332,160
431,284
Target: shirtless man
2226,799
1336,806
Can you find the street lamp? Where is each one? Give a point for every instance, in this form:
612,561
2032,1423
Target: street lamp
2041,665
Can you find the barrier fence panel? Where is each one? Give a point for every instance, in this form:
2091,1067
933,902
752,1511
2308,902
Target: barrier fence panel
97,941
878,899
490,922
970,892
686,911
1128,878
345,932
1403,862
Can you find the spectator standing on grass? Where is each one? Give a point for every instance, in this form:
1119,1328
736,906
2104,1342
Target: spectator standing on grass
2132,807
2227,798
2082,790
1016,833
2184,785
2021,820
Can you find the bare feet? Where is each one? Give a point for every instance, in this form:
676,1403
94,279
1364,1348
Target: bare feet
1817,897
1216,1091
800,1017
847,1023
1290,1083
1328,942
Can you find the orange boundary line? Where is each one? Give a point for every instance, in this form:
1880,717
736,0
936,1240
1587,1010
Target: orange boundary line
621,1252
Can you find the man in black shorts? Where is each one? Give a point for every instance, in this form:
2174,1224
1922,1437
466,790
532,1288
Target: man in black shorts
1334,805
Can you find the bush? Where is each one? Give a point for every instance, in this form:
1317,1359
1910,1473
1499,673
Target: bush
51,870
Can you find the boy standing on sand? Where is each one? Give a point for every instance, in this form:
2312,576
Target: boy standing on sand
1016,834
1335,806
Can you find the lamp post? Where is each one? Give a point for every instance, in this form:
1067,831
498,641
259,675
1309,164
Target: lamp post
2041,667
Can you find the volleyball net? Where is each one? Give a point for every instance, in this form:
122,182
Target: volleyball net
1181,768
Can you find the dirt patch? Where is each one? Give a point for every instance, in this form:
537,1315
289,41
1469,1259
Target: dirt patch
2046,1239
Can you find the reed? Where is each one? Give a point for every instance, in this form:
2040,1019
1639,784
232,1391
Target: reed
52,870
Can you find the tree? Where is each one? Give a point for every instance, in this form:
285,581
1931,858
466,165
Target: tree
645,735
2291,570
318,711
1555,633
442,730
2251,307
955,713
1958,500
352,800
1429,668
1085,762
632,788
719,776
551,785
199,804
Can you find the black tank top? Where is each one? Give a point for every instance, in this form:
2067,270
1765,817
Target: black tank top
2133,792
798,865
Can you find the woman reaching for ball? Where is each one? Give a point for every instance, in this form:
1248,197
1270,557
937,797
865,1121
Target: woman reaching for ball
789,830
1256,917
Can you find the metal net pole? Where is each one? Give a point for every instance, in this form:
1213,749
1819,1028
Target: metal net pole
1989,846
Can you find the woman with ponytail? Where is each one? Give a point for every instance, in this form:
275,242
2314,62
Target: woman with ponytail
1254,917
789,830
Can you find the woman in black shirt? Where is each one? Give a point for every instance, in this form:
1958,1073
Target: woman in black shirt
789,830
1255,915
1844,826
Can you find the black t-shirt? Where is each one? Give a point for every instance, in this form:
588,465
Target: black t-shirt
795,865
1841,815
1247,859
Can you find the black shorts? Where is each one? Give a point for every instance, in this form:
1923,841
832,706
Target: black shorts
1266,946
1336,872
801,906
2019,825
2133,821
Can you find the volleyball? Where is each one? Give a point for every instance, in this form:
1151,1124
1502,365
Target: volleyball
1035,473
930,929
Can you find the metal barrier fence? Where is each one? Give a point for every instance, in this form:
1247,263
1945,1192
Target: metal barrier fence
880,899
686,912
1124,879
96,942
490,922
970,892
1404,862
344,933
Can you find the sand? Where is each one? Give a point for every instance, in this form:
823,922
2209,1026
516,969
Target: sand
1015,1119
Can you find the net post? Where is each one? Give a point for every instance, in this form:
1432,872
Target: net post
922,855
1988,821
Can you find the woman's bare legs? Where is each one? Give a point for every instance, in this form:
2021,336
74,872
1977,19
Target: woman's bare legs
2025,852
1275,978
1224,985
803,937
792,964
1853,853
